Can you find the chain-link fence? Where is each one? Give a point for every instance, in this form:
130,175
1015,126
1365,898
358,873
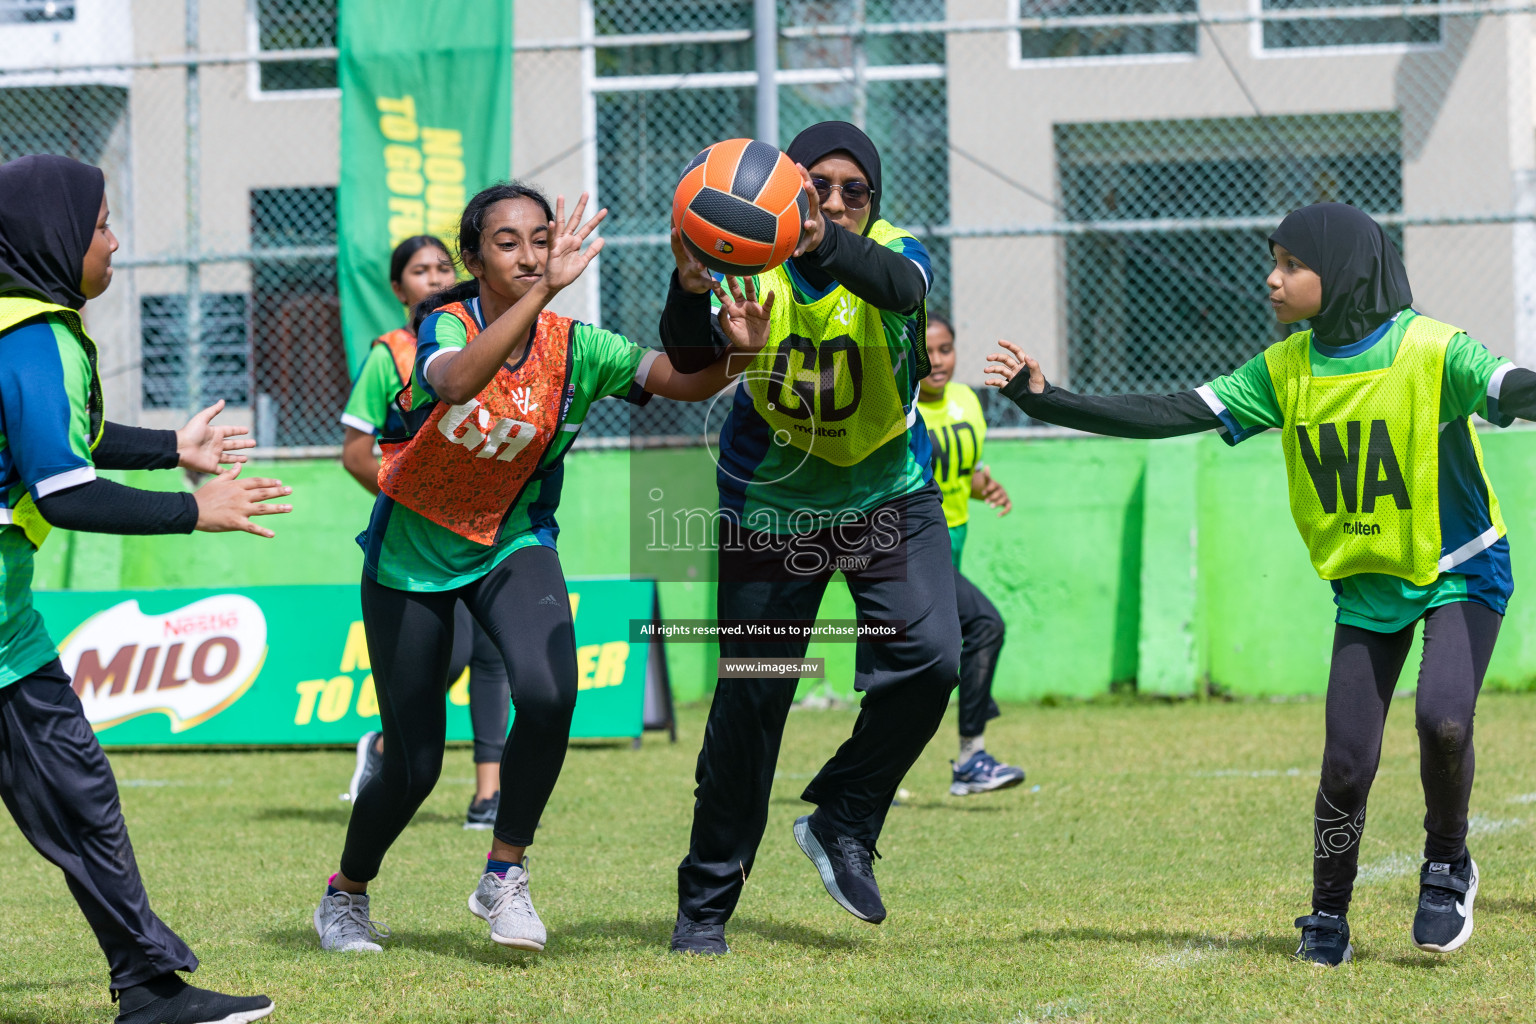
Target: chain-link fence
1092,178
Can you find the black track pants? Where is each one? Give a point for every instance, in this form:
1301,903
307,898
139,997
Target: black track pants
57,784
981,640
526,612
489,691
1458,641
897,564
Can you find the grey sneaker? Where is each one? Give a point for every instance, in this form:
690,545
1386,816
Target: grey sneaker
341,920
369,761
506,904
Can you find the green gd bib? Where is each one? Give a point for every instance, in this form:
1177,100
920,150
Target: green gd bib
826,381
16,309
1362,456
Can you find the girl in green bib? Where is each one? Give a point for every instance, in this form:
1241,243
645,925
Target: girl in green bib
1388,491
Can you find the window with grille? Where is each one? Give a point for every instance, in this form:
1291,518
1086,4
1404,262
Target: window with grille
647,132
1349,32
1107,40
295,25
1169,308
25,11
298,360
224,365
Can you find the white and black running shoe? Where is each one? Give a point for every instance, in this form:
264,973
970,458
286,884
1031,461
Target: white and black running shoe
1324,940
369,761
169,1000
982,773
846,868
1444,918
481,815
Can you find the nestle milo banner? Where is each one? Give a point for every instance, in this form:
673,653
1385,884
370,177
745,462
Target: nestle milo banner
426,121
289,665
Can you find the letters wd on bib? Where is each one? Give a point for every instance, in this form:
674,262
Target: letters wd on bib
289,665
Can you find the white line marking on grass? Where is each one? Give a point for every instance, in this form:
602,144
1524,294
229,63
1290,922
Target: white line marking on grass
1482,825
1063,1010
162,783
1394,865
1192,953
1238,773
1523,798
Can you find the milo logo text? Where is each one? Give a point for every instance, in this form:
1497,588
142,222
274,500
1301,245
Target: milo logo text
1334,464
470,425
817,382
188,664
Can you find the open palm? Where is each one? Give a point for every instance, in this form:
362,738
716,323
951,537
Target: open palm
566,258
745,322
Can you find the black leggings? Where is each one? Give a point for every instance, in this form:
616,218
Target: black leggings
524,607
1458,641
488,689
981,639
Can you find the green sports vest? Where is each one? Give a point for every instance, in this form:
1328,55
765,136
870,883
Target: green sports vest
15,310
827,382
1362,456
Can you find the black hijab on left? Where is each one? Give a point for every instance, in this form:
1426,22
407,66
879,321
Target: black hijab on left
48,208
1364,281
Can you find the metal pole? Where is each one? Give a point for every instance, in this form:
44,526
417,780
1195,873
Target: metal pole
860,66
765,45
194,351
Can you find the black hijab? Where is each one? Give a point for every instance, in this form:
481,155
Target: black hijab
1364,281
48,208
820,140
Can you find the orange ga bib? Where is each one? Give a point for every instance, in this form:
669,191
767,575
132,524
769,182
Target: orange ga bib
466,467
402,346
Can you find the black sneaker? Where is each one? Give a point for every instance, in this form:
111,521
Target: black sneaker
1446,891
689,936
482,813
369,762
1324,940
846,868
169,1000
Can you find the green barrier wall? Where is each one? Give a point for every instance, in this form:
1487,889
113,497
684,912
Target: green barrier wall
1171,563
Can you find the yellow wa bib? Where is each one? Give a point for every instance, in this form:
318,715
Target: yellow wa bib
827,381
16,309
1362,456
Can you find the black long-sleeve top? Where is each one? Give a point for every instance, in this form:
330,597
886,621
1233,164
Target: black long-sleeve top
1185,412
882,277
102,506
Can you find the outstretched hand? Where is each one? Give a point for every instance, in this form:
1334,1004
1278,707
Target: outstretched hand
1004,366
815,228
203,447
226,504
567,259
744,321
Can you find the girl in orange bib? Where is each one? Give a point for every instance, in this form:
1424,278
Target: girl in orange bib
499,390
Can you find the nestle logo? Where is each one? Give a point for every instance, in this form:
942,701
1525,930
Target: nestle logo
188,665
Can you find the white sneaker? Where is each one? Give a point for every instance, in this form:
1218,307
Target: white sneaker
505,903
342,922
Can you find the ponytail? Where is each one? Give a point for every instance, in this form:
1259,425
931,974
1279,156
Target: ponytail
448,296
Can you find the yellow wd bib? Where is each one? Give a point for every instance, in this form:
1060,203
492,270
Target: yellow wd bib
1362,456
16,309
957,430
827,381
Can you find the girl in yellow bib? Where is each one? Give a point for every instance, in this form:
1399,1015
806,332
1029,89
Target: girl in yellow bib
1388,491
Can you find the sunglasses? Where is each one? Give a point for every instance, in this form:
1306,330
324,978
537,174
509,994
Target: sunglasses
855,193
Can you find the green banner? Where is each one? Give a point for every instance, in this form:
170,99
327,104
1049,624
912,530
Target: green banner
426,121
289,665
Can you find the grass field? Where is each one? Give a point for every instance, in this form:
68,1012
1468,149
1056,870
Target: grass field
1149,869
